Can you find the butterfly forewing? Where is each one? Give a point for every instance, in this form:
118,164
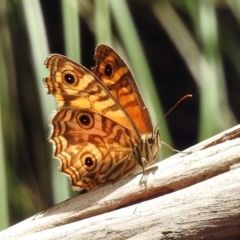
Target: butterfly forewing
75,86
117,77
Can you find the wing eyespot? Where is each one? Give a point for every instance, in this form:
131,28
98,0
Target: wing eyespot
108,70
89,161
69,78
85,120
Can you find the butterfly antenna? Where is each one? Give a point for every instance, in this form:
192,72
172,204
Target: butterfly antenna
183,98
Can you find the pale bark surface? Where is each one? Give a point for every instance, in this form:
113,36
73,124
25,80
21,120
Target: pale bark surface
195,195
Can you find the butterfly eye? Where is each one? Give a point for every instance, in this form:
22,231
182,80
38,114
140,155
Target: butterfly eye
85,120
150,140
69,78
108,70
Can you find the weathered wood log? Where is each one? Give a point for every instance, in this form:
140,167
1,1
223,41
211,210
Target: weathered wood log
191,195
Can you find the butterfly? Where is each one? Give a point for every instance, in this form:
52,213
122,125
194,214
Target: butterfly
101,131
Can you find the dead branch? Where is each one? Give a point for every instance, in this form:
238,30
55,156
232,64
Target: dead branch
189,196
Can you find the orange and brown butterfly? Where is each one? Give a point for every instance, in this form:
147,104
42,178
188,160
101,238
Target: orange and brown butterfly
101,130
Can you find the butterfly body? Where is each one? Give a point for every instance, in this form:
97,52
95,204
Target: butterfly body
102,130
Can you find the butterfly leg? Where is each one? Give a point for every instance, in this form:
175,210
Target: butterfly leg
173,149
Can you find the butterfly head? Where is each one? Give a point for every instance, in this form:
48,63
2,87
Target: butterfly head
154,143
150,148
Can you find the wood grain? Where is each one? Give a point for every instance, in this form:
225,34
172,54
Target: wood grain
189,196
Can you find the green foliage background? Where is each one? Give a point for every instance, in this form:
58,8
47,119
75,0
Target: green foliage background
174,47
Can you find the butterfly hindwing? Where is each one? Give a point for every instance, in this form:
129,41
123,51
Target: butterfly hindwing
91,152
